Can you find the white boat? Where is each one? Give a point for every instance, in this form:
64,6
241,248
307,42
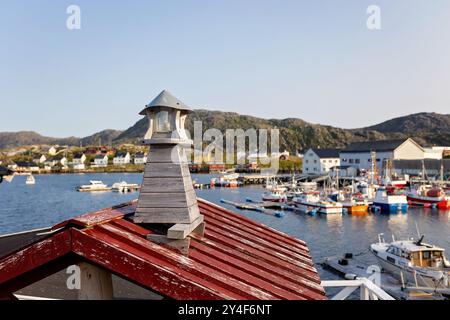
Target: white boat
310,201
421,264
124,186
94,186
275,195
231,176
30,180
390,202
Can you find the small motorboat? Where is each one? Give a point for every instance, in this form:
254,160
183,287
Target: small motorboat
124,186
94,186
310,201
412,261
390,203
30,180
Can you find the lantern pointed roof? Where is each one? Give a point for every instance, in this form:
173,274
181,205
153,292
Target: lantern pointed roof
168,100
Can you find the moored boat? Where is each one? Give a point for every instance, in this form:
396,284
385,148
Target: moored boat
309,201
390,202
356,204
94,186
426,195
125,186
275,195
411,261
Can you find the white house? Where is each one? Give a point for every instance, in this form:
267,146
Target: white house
39,158
319,161
78,161
56,160
101,160
122,158
358,154
140,158
52,151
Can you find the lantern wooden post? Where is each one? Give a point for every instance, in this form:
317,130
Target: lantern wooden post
167,195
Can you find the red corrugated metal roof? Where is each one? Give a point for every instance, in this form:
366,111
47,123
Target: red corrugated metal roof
236,258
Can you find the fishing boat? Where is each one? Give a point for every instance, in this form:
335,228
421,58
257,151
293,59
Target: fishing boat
275,195
94,186
412,261
427,195
356,204
390,202
309,201
124,186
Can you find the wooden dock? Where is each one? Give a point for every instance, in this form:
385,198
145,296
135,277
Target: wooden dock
263,207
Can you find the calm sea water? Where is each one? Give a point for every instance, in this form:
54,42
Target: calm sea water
53,199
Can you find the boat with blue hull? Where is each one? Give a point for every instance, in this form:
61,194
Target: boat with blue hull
390,203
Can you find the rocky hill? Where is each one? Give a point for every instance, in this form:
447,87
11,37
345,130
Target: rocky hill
26,138
295,134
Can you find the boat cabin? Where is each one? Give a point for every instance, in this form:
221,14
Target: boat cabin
420,255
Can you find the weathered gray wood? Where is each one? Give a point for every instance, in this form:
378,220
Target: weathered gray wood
167,194
166,215
166,200
200,230
166,185
181,245
166,170
95,284
168,154
182,230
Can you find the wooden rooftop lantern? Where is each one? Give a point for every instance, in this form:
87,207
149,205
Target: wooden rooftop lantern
167,195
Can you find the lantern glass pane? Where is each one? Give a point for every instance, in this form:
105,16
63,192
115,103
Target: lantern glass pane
162,121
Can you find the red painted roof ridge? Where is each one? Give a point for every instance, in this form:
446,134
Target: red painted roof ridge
259,226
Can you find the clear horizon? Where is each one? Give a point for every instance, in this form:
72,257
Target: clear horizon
316,61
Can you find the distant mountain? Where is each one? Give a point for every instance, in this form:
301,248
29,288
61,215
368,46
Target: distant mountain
26,138
105,137
430,128
295,134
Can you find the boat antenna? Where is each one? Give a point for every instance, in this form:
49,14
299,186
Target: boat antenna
417,229
419,242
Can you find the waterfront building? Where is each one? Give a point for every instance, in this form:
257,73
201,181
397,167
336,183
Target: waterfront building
39,158
320,161
140,158
79,160
59,159
51,151
25,166
359,154
435,152
122,158
100,161
433,167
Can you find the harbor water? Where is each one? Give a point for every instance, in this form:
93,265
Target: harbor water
53,199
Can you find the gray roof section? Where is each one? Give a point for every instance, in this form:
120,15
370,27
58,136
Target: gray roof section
380,145
166,99
327,153
430,164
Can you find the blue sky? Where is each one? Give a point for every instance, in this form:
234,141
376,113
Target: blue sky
314,60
